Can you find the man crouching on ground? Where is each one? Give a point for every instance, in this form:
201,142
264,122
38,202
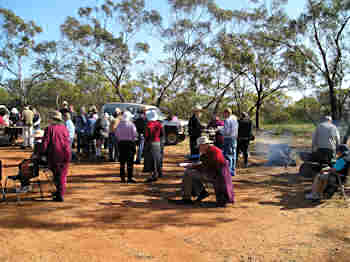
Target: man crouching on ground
213,168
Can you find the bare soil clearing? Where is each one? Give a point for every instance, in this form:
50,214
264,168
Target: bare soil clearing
104,220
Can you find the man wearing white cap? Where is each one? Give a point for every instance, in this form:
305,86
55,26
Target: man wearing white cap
213,168
65,108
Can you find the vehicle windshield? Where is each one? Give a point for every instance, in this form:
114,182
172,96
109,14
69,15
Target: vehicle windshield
134,109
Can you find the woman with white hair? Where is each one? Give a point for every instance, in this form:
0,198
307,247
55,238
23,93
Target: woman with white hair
153,150
14,119
126,135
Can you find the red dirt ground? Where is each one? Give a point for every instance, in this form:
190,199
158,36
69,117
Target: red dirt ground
104,220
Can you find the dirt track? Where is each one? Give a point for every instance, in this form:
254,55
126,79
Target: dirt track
104,220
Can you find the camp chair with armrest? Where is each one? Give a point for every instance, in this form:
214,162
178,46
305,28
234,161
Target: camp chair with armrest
33,171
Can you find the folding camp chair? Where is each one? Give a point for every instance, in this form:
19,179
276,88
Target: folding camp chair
34,177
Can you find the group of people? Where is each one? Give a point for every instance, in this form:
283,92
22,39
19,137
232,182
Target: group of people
217,159
126,136
28,120
232,135
121,132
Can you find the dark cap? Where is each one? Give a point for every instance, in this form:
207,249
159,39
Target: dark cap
342,148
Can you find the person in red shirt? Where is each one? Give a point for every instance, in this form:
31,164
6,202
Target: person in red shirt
2,121
212,168
56,145
153,147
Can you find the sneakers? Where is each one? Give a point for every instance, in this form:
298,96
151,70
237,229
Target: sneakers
312,196
202,195
131,181
57,199
24,189
182,202
151,179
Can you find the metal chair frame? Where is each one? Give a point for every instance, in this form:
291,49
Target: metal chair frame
36,180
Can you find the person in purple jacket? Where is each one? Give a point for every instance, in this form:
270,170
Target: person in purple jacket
56,146
126,135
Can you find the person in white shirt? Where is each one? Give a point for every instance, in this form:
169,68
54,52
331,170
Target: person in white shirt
230,132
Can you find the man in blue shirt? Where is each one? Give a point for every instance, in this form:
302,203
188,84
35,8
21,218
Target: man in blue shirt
333,175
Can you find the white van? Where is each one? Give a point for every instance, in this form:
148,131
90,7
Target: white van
175,132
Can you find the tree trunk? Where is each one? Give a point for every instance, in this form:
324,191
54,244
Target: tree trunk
333,99
119,94
257,112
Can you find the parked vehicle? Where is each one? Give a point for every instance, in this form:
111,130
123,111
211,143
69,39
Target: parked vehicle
175,131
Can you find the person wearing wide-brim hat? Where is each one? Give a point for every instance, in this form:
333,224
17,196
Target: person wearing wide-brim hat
195,129
56,145
212,168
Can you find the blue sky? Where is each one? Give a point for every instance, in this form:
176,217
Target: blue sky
50,14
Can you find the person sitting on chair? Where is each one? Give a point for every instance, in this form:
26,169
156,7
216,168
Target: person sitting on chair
29,168
213,168
333,177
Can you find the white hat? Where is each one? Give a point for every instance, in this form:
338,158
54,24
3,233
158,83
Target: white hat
197,108
65,103
55,115
326,118
14,110
152,115
127,116
38,133
203,140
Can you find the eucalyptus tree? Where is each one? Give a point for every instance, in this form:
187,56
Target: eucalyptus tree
104,37
228,59
17,40
184,35
25,62
271,66
319,35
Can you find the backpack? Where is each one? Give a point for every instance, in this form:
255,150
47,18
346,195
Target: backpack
29,168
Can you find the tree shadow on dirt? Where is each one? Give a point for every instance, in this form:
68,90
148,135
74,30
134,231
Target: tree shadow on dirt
290,187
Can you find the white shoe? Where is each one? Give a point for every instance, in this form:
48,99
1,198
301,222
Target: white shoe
24,189
312,196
